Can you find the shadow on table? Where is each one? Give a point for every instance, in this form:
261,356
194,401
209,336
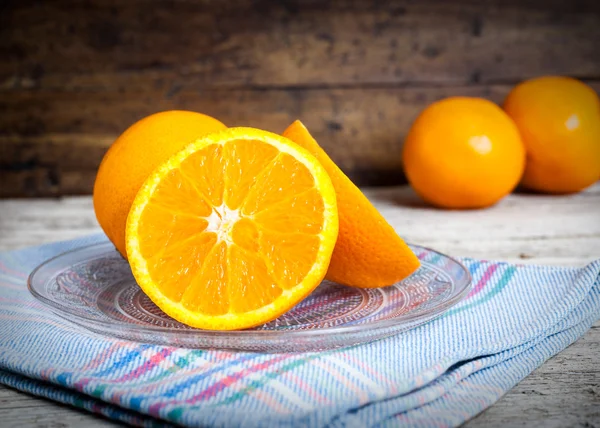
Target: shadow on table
406,197
403,196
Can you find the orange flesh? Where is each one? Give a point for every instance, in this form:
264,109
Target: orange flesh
232,228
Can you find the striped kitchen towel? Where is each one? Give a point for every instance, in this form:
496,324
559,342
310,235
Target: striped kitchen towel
439,374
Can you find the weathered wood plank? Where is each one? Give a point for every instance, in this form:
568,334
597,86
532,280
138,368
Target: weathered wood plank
170,45
524,228
51,142
76,74
18,409
564,392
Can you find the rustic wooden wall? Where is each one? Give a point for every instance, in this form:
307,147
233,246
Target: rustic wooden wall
75,74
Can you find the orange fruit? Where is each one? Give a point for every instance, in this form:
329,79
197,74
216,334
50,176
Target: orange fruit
463,153
232,231
368,252
133,156
559,121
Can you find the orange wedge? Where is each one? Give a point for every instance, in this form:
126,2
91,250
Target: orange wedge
232,231
369,253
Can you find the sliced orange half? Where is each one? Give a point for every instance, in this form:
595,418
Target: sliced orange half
234,230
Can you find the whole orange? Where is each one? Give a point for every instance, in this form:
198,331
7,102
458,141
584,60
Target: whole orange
559,121
463,153
134,155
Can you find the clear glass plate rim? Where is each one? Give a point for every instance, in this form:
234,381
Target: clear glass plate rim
465,287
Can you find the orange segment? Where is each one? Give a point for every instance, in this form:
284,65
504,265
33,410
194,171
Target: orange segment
245,234
173,269
251,286
247,161
289,256
208,293
294,214
368,253
234,230
177,227
174,190
269,189
205,170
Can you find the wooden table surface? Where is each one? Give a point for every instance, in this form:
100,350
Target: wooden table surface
527,228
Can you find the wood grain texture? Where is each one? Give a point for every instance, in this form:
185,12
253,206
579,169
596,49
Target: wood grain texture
560,230
522,228
141,44
564,392
76,74
51,143
18,409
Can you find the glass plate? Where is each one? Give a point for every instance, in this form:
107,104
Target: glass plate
93,287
